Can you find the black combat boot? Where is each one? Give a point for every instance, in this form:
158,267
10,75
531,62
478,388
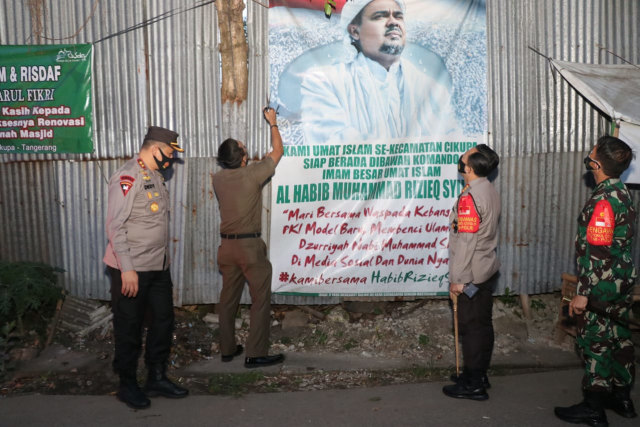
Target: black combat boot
130,393
620,402
590,411
159,385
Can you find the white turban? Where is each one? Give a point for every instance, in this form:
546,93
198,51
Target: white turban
352,7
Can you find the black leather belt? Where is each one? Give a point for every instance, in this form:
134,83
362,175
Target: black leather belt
240,236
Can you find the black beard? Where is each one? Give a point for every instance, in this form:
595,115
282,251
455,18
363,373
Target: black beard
391,49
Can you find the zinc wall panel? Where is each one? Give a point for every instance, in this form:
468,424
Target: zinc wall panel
202,280
119,80
81,189
542,128
184,72
30,213
259,135
532,110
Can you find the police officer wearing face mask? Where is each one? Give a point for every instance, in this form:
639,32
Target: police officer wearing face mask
137,258
473,267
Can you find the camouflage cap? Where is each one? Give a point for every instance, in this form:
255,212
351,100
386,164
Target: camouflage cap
156,133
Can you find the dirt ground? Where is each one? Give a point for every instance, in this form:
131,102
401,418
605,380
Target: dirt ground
420,331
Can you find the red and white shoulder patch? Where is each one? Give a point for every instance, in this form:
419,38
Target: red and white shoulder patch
468,218
601,225
126,182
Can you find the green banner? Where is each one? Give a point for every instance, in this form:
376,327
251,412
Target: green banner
45,99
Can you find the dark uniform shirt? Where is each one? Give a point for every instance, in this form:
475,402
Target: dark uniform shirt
137,219
608,267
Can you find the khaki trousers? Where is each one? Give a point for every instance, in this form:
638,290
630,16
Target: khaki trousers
239,261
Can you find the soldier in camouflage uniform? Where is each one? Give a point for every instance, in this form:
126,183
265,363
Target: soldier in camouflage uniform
606,276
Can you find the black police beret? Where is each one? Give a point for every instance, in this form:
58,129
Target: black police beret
156,133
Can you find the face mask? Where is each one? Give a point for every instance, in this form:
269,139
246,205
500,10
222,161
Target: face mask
461,165
587,163
165,162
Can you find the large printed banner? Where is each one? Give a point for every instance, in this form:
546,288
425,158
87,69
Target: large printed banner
45,99
376,103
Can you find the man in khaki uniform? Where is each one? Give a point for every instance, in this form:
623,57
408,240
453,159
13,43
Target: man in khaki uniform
473,267
137,258
242,254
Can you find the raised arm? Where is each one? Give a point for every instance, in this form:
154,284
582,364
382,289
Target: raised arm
276,140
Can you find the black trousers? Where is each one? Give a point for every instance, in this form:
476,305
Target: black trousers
476,328
155,293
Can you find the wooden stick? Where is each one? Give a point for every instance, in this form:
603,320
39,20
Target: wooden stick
526,305
455,330
54,322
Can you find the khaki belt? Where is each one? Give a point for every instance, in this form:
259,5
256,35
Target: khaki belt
240,236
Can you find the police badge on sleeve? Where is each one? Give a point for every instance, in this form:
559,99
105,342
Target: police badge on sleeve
126,182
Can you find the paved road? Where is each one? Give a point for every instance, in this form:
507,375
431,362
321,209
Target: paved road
517,400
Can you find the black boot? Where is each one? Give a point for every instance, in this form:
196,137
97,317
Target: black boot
159,385
130,393
470,385
620,402
590,411
457,378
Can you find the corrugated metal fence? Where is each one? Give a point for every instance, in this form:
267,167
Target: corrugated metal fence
156,62
543,129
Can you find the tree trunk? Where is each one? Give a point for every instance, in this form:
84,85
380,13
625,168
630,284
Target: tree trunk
233,51
38,12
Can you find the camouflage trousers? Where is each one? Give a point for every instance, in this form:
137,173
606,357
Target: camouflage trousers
607,349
